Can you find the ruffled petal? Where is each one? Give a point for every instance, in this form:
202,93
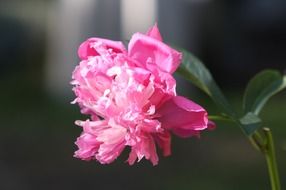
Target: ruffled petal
145,147
87,143
87,48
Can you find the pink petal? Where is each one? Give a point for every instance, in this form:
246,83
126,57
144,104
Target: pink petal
184,133
150,150
145,147
87,143
112,135
146,49
164,141
132,157
86,49
159,97
182,116
87,146
211,125
150,126
154,33
107,153
113,143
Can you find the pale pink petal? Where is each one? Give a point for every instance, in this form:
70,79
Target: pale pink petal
154,33
87,146
114,134
182,116
100,140
107,153
140,89
146,49
145,147
87,143
93,127
113,143
104,107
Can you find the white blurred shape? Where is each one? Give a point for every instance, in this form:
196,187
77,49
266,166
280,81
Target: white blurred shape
64,31
137,16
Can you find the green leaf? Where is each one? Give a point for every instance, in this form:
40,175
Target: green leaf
250,123
194,70
260,88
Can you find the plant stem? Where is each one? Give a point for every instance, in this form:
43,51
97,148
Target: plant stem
219,118
271,160
256,141
264,143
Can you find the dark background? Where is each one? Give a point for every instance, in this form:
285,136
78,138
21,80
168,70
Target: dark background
38,43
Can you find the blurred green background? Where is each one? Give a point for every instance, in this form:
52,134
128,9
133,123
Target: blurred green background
38,44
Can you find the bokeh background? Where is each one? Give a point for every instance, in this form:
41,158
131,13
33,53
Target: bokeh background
38,51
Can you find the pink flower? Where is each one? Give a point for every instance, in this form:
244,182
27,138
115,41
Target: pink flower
131,98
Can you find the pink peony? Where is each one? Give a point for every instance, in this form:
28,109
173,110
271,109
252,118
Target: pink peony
131,98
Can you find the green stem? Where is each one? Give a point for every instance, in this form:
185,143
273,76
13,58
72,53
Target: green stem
271,160
219,118
264,143
258,141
